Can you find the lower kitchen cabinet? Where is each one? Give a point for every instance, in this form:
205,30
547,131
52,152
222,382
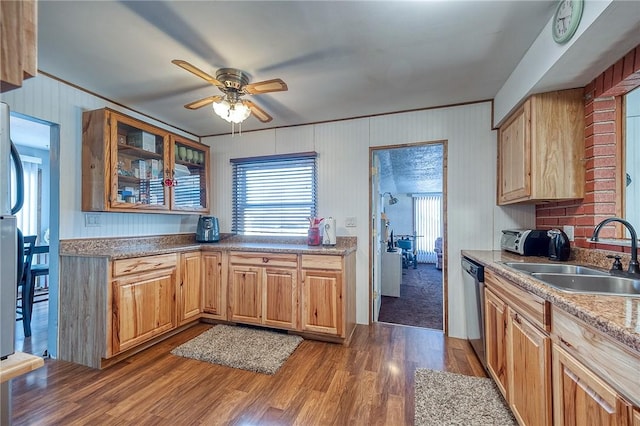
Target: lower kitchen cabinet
143,307
328,298
518,349
263,289
596,381
496,340
214,293
553,368
280,301
528,364
581,398
111,308
190,287
245,294
321,301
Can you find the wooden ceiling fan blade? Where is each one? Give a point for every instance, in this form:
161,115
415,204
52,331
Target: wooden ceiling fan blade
197,72
203,102
267,86
259,113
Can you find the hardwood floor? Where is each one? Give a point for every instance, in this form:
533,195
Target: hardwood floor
36,344
371,382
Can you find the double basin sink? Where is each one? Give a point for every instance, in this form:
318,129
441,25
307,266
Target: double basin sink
579,279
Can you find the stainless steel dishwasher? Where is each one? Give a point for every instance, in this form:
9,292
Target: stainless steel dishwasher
473,282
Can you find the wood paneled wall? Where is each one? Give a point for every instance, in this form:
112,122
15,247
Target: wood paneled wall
50,100
474,221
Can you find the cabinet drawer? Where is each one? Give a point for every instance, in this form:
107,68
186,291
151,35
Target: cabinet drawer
535,308
608,359
264,259
319,261
141,264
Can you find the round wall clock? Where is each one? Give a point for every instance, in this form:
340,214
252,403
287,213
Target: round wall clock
566,20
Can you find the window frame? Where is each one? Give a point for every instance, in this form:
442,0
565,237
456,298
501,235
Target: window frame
255,213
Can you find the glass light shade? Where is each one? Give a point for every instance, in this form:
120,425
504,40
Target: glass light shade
239,112
233,113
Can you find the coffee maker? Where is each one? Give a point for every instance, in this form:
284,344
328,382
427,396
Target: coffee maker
208,230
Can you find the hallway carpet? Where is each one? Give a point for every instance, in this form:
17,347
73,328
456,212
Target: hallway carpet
420,301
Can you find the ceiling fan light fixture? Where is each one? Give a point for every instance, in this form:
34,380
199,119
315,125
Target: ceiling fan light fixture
234,112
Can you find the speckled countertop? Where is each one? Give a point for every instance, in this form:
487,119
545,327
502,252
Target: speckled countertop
124,248
617,316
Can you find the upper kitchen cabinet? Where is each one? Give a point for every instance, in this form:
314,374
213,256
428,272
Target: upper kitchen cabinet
129,166
19,46
541,149
190,175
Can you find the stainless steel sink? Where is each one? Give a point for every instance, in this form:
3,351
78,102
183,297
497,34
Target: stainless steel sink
554,268
608,284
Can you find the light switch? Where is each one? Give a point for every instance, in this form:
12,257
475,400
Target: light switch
91,220
350,222
568,229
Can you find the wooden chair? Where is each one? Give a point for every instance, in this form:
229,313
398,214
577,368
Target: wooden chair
25,290
39,270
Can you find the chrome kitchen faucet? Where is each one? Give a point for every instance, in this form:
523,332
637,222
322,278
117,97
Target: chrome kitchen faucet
633,263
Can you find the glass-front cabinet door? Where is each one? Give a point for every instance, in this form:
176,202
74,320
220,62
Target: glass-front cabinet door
189,175
132,166
139,179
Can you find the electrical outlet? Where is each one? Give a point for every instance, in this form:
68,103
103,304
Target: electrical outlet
350,222
91,220
568,229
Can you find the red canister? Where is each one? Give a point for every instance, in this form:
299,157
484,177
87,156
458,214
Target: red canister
313,236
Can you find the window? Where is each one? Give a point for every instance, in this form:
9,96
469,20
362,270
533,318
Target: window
28,218
274,195
427,210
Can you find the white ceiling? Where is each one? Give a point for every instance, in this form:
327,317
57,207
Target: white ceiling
340,59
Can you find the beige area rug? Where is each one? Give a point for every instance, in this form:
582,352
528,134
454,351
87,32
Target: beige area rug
247,348
454,399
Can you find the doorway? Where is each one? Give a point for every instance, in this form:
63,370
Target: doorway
37,142
408,201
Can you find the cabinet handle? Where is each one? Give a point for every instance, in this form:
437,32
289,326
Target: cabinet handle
516,318
265,260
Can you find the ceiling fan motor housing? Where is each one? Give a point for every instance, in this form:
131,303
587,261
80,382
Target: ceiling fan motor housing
232,78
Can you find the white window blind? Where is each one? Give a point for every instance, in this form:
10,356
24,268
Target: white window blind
428,223
274,195
27,218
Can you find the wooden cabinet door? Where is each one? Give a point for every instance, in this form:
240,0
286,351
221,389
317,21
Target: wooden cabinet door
496,339
514,163
529,371
143,307
636,417
214,293
127,162
190,191
280,301
190,288
245,294
18,32
580,398
321,302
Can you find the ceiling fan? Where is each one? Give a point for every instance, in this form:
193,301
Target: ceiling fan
233,83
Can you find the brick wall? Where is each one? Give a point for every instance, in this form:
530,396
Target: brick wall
603,137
